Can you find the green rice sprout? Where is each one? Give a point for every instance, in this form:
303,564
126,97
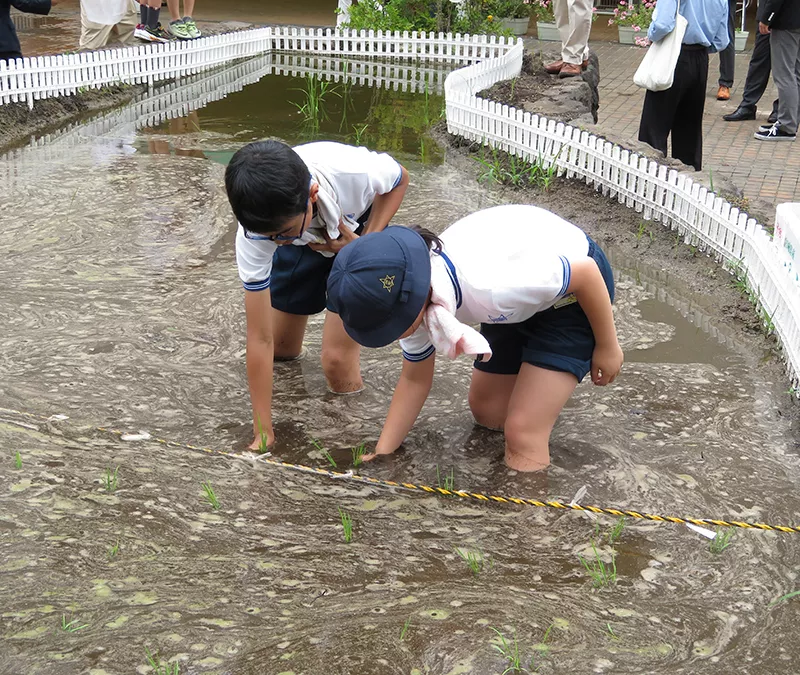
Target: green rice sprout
405,628
509,651
358,453
113,550
358,133
611,632
616,531
159,668
475,560
110,480
324,452
446,482
347,525
784,598
209,495
71,626
721,540
601,574
263,440
18,460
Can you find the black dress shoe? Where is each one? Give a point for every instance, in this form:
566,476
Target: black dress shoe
740,114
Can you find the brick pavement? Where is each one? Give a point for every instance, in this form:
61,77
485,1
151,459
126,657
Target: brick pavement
769,171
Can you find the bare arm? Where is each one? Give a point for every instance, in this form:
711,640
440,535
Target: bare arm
260,352
385,206
587,283
413,388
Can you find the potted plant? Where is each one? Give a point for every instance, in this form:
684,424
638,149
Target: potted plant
741,39
632,19
545,21
512,15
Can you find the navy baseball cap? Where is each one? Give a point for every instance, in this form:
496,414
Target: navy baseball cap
379,284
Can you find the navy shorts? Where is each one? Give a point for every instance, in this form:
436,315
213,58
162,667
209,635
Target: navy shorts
556,339
299,283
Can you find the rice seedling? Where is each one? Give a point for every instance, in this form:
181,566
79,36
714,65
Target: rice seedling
509,651
263,440
475,560
324,452
358,132
312,106
404,630
616,531
601,574
493,171
18,460
784,598
347,525
111,479
542,648
358,453
446,482
112,552
610,632
721,541
209,495
159,668
71,626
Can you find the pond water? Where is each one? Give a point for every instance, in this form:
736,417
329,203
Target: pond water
121,308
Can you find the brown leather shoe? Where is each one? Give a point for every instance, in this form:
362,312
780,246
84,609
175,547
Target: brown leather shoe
723,93
569,70
554,68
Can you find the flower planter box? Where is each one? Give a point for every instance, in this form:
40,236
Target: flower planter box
741,40
547,31
626,35
516,26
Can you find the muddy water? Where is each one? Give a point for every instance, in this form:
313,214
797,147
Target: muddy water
121,307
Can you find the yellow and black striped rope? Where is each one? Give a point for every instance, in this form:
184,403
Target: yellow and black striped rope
464,494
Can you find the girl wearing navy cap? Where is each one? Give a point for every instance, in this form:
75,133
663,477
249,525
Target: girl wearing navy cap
543,305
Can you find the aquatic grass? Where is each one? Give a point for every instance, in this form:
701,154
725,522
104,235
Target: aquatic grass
602,575
784,598
209,495
721,540
159,668
347,525
111,479
509,651
71,626
312,108
476,560
404,630
506,169
616,531
18,460
358,453
324,452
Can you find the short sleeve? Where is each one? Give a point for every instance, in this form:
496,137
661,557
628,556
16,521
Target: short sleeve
254,259
418,346
384,171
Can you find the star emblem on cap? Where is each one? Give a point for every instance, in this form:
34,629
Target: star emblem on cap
388,282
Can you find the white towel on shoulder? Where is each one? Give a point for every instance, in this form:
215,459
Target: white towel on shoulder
329,213
448,334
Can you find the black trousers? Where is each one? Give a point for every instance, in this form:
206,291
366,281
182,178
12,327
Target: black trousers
8,56
727,57
679,109
758,74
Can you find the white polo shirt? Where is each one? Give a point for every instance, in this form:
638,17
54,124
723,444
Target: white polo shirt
356,174
506,264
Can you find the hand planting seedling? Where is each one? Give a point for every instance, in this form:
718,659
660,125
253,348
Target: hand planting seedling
358,454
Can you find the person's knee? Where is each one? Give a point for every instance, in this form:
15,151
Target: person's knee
522,432
339,364
487,412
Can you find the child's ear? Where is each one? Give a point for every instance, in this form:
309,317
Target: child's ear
312,192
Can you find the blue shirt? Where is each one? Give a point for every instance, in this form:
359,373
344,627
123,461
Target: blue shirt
708,22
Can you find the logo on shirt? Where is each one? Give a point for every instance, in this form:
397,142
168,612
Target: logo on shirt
388,282
498,319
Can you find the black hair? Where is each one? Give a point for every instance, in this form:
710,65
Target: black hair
267,184
431,240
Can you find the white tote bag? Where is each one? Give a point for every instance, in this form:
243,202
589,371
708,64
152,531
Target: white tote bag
657,69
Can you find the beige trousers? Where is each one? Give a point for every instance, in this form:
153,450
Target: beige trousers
96,35
574,22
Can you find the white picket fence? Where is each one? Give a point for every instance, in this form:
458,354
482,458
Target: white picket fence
31,79
656,191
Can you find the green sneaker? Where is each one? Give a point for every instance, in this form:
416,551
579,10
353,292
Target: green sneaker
180,30
194,31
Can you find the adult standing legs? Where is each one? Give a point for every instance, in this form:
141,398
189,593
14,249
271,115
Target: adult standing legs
687,132
727,56
756,82
574,23
785,46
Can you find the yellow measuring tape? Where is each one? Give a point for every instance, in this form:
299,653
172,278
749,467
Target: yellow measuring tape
464,494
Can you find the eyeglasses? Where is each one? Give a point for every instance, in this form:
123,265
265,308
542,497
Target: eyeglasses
290,237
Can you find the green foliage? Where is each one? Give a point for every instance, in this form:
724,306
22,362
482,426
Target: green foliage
601,574
432,15
71,626
111,479
720,542
347,525
18,460
209,495
161,668
475,560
